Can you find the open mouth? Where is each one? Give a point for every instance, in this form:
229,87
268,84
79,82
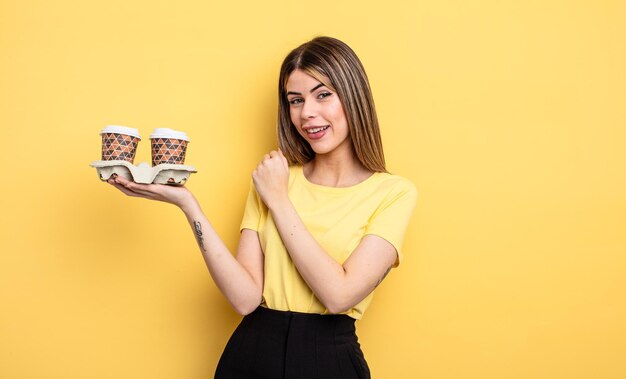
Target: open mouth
317,130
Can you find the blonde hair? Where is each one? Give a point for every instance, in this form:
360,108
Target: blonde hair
334,64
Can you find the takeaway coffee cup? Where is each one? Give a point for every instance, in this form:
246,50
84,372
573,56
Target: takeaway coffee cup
168,146
119,143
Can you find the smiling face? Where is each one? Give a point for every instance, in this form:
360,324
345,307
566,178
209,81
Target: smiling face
317,114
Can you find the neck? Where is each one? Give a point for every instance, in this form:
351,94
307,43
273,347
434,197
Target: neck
333,170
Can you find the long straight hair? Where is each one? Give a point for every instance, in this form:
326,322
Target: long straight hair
335,65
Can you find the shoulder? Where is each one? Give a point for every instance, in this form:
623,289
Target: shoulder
295,172
294,169
395,185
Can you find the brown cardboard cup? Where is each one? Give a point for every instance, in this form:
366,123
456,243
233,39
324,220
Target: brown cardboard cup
168,146
119,143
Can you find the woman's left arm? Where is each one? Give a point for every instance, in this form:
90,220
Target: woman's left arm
338,287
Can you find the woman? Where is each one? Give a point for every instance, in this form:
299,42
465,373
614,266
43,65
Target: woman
323,225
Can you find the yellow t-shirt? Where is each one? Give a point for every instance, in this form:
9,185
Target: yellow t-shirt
337,218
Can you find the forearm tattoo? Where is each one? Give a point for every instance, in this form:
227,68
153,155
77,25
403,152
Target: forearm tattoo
198,231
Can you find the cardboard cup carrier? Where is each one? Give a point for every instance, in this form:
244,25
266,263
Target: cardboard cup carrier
169,147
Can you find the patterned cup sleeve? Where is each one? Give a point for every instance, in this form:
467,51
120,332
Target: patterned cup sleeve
168,150
117,146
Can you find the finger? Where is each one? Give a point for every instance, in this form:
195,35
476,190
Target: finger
285,162
147,190
138,187
128,184
111,179
133,189
273,154
133,186
125,190
121,180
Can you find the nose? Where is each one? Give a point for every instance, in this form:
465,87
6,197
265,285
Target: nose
309,109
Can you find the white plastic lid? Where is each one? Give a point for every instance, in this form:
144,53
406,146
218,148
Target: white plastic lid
121,130
169,133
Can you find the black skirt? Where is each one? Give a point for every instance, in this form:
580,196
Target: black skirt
271,344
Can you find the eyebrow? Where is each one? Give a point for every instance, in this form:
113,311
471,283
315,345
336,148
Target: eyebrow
312,89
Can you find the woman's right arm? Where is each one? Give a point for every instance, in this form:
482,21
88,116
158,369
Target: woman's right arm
240,279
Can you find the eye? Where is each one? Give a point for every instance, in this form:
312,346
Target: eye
323,95
295,101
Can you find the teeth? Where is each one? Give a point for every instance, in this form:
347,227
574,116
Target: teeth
316,130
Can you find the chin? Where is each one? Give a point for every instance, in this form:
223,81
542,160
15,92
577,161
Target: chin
321,150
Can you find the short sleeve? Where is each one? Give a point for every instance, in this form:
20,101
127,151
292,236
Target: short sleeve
252,212
391,218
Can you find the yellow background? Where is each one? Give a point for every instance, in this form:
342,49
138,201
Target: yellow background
509,116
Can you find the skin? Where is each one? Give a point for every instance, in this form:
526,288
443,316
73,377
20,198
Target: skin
339,287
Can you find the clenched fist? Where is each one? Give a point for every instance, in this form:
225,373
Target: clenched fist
271,178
